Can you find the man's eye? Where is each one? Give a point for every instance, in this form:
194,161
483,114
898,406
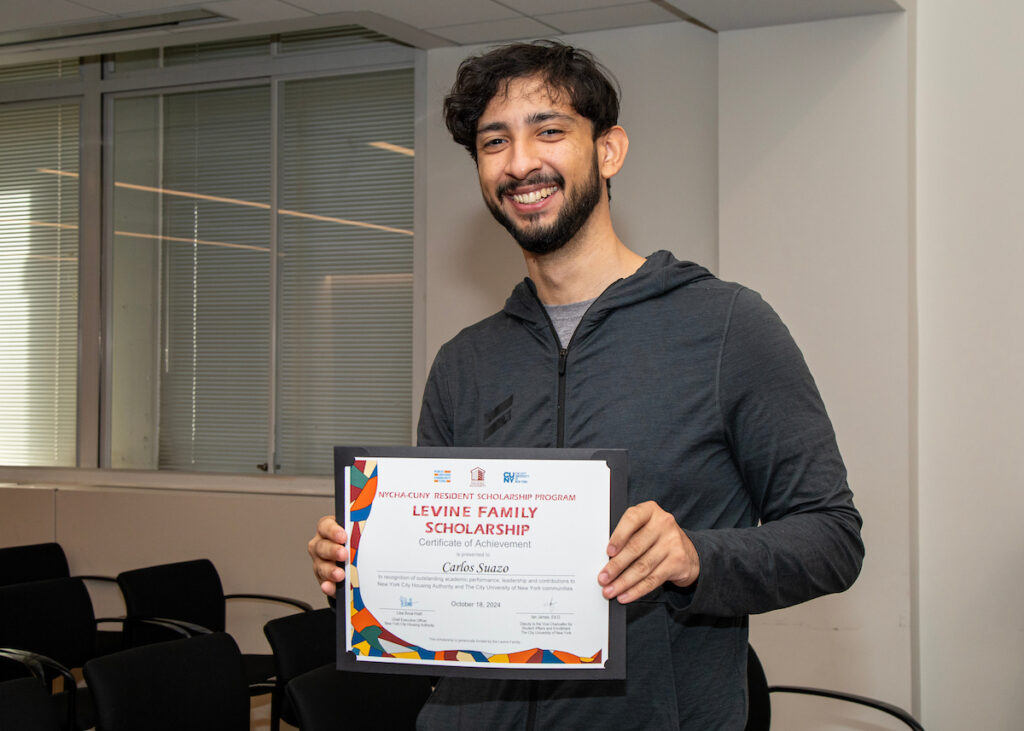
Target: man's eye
494,142
551,132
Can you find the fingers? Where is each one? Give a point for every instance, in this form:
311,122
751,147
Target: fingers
647,548
326,549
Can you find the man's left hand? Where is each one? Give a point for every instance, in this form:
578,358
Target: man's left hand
647,548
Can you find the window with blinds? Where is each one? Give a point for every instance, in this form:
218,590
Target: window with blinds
226,245
345,266
38,284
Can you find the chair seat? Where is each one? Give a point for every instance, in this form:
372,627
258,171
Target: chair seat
25,704
257,669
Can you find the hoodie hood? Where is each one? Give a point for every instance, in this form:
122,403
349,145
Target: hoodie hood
661,273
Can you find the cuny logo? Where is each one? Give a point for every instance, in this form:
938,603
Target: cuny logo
516,478
476,477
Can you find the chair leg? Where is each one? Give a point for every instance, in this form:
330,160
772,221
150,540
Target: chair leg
275,708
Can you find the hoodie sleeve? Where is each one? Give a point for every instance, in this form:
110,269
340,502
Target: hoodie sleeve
808,542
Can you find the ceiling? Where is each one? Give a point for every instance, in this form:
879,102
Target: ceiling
32,30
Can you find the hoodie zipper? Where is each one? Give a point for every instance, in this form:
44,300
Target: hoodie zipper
563,356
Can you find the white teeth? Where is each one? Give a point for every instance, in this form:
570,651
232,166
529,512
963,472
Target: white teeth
534,196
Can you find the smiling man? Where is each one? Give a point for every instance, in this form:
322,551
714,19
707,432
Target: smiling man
738,492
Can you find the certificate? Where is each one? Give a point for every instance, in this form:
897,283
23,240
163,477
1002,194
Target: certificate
479,562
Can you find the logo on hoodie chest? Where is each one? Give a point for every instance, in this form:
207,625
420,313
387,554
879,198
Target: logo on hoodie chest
497,417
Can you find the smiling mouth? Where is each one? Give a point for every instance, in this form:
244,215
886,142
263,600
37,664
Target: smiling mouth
534,195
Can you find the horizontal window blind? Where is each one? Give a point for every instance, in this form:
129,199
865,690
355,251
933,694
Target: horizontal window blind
38,284
194,302
191,280
345,266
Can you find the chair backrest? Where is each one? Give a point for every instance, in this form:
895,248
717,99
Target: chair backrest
195,683
759,704
301,642
53,618
185,590
32,563
26,706
327,699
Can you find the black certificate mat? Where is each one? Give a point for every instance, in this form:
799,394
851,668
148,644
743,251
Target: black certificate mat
461,519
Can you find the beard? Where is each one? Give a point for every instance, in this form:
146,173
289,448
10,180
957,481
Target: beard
538,239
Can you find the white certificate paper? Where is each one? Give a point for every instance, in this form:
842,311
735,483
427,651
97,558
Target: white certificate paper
481,563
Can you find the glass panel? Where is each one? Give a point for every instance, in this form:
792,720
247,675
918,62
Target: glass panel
191,286
345,266
331,39
217,51
63,68
38,285
136,60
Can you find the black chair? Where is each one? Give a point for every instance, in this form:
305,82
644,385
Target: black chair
25,706
300,642
191,592
36,562
55,619
40,561
195,683
759,714
26,702
327,699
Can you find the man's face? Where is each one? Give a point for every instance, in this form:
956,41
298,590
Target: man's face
537,163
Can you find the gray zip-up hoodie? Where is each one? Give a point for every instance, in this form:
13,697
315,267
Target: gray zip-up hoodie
700,380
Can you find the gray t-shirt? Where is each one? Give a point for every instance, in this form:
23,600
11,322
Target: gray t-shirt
565,318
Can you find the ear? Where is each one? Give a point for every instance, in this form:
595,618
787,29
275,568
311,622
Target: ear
611,151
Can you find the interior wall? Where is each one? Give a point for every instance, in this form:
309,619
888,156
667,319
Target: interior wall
970,106
26,515
257,542
664,198
814,201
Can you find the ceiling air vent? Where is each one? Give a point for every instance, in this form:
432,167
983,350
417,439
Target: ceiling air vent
112,26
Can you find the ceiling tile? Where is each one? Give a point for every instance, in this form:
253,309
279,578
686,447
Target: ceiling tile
735,14
498,30
618,16
447,12
550,7
324,7
18,14
135,7
255,11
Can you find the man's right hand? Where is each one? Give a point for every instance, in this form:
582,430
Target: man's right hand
326,548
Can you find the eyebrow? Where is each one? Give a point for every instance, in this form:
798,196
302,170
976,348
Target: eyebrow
533,119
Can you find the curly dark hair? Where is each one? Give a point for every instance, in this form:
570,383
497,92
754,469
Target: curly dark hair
591,89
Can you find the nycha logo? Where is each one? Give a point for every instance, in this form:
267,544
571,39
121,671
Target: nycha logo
476,477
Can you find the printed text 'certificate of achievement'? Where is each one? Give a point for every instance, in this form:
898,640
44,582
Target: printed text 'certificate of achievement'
479,562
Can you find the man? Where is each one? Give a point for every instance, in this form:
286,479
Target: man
738,493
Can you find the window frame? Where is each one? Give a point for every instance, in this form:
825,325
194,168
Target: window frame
95,90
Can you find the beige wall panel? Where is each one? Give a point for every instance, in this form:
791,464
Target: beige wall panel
257,543
814,201
971,257
26,515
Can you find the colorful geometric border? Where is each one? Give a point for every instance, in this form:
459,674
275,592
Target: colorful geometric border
371,639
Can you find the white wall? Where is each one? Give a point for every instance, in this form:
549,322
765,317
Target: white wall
665,197
814,201
970,108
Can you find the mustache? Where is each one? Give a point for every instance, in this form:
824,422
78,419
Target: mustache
539,179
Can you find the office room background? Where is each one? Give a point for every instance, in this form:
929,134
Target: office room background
861,171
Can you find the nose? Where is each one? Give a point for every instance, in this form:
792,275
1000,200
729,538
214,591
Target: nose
522,160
